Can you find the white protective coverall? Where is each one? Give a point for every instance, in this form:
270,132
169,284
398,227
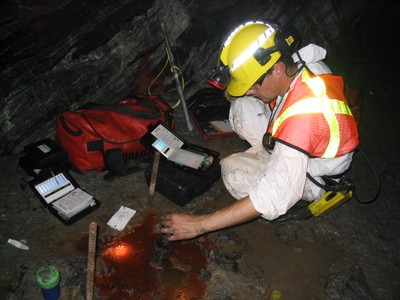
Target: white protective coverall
276,181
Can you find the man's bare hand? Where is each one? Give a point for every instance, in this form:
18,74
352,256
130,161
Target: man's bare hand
183,227
180,226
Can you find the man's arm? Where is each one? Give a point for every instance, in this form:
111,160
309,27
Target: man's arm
182,226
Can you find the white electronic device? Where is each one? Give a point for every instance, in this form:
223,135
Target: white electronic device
62,195
170,145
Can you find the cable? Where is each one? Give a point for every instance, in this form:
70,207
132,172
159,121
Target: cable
303,64
378,186
155,78
346,184
173,67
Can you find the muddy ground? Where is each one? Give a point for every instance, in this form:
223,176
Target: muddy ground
351,253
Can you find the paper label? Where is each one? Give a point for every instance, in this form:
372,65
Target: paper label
119,220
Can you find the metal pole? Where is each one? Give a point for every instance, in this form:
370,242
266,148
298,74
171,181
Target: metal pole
178,83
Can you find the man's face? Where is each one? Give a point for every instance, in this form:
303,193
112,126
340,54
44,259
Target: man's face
269,88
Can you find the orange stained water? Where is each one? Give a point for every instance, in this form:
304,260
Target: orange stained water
124,272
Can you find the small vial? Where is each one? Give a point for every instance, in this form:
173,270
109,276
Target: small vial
207,162
276,295
161,253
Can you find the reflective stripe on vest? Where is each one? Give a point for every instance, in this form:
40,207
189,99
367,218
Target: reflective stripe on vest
318,104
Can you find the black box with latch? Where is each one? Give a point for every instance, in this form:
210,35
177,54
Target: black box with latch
43,155
185,170
180,186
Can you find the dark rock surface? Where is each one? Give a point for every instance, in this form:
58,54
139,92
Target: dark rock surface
56,56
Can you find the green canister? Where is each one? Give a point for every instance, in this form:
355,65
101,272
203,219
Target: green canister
48,279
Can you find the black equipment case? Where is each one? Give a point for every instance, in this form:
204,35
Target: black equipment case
178,182
48,163
180,186
61,194
209,111
43,155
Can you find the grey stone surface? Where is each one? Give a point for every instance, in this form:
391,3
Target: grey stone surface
351,253
56,56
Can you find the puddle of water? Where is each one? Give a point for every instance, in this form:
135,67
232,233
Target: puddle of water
297,269
124,270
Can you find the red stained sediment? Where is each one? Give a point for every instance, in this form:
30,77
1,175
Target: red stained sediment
124,272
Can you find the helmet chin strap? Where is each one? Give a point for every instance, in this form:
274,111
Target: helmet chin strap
303,64
298,70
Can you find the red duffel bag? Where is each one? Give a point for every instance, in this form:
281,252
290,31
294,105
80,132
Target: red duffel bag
97,131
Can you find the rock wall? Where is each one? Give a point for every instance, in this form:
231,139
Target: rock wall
58,55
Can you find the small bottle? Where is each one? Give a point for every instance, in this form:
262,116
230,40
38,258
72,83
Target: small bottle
18,244
207,162
276,295
162,249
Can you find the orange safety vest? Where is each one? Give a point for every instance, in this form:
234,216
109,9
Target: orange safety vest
315,118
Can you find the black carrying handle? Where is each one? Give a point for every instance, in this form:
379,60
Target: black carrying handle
123,109
117,107
78,132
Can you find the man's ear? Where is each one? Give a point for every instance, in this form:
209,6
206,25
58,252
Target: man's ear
251,90
279,68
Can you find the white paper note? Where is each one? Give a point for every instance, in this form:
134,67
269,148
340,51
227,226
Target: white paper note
119,220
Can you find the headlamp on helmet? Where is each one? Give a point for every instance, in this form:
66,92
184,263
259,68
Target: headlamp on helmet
219,77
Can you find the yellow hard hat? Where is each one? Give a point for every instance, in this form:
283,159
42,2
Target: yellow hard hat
249,52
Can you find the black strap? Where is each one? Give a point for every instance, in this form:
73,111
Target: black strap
332,185
101,136
78,131
154,112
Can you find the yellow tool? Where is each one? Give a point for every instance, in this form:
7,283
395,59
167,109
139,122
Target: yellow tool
329,201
